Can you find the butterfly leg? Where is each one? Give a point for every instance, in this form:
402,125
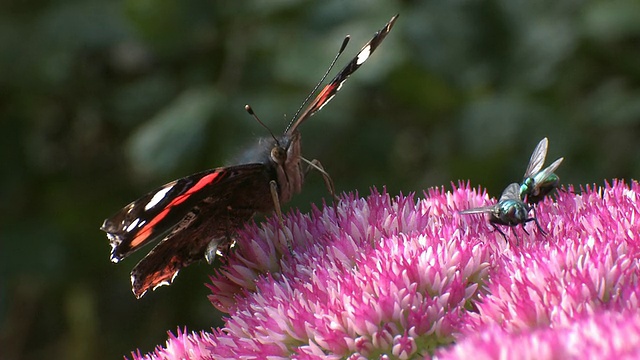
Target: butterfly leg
278,209
315,164
222,243
211,250
218,246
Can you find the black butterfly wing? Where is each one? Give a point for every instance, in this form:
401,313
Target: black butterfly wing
225,207
186,246
330,90
157,213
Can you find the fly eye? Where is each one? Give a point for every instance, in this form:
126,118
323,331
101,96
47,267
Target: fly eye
278,155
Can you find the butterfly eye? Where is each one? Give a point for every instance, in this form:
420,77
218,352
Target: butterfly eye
278,155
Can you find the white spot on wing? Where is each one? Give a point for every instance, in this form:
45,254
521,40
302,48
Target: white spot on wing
329,99
364,55
114,241
166,282
129,208
157,197
132,225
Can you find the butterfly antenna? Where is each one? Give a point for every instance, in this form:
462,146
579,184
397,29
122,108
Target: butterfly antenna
324,77
250,111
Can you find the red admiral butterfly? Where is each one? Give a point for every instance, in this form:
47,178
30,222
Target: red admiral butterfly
196,216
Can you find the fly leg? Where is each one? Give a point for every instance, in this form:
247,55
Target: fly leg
535,219
500,231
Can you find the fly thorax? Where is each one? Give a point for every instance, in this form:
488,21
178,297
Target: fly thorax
288,170
512,212
527,186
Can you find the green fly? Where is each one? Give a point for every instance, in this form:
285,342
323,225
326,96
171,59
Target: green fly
537,184
510,210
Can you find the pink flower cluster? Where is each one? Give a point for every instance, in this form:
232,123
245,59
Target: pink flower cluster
404,278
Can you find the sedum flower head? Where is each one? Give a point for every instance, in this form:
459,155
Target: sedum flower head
601,335
403,278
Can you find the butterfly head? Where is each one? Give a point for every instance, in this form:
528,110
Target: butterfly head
285,155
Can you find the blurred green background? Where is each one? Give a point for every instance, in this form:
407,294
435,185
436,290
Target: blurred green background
102,101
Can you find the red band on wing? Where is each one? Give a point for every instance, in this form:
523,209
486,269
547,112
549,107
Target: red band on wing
157,278
332,89
146,231
324,96
195,188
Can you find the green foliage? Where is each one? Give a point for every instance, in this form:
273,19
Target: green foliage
182,124
103,101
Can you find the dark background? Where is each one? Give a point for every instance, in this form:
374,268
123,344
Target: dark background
102,101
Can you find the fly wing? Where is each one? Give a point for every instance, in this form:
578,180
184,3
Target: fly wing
548,171
537,158
512,192
329,91
157,213
478,210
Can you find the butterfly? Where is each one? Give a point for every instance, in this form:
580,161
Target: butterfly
195,217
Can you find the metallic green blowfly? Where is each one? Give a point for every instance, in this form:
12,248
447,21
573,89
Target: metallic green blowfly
537,184
510,210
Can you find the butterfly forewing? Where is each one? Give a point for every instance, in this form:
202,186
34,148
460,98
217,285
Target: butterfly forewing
154,215
329,91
